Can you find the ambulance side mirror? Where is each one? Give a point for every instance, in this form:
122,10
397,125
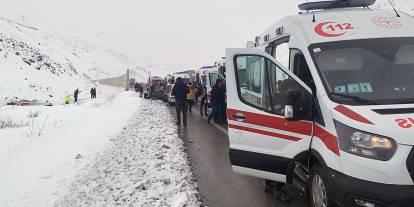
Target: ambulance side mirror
289,112
299,104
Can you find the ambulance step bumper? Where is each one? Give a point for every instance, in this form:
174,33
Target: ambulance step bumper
349,191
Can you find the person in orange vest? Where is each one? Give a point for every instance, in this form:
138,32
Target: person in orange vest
190,98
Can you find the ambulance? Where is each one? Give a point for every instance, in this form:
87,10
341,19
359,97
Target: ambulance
213,73
338,121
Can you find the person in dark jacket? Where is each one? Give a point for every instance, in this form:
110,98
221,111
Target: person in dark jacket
203,103
141,90
75,95
180,91
93,93
217,100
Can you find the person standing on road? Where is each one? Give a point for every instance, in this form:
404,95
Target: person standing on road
220,102
203,103
180,91
217,101
140,89
190,98
223,104
197,94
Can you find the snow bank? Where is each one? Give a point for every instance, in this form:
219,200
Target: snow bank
39,161
145,166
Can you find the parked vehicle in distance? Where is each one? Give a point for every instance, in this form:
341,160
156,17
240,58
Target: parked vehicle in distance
167,94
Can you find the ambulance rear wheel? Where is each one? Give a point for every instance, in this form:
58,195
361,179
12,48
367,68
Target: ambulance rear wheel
320,194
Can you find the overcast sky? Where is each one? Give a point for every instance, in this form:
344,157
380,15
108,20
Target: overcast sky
174,34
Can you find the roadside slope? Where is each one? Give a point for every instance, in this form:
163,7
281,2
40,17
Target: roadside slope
39,160
145,166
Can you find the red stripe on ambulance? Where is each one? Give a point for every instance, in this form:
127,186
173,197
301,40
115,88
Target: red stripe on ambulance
273,122
330,141
299,127
352,115
267,133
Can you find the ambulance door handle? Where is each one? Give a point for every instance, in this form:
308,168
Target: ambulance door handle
239,117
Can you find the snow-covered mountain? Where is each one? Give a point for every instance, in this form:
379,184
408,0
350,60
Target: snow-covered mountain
42,64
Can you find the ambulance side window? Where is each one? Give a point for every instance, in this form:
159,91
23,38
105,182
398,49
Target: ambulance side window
281,85
301,69
252,79
281,54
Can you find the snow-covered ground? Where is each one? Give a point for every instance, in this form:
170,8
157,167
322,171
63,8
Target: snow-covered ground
40,160
145,166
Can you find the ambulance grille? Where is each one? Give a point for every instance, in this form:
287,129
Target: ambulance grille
410,163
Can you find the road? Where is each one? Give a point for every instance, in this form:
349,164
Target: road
208,146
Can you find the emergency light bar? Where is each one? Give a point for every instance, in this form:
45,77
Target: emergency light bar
335,4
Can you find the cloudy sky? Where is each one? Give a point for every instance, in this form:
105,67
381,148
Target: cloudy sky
172,34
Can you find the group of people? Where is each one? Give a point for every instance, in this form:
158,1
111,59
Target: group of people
187,95
68,98
93,93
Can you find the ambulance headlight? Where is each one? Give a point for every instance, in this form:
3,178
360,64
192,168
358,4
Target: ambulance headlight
365,144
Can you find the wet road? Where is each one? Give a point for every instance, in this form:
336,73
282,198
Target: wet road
208,146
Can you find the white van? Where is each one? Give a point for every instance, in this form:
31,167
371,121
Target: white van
338,121
186,78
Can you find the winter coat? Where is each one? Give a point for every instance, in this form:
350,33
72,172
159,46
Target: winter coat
218,95
68,99
180,92
191,94
76,93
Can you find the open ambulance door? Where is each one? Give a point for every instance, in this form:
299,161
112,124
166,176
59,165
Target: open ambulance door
269,113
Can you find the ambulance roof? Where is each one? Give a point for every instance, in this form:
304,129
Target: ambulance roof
341,24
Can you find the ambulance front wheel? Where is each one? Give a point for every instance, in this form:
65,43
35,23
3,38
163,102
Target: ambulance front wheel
320,194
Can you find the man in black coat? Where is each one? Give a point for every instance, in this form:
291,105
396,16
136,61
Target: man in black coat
218,93
180,91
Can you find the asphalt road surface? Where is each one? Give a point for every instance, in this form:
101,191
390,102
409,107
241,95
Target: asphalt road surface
208,146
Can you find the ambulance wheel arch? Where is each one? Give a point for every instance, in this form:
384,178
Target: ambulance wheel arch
308,159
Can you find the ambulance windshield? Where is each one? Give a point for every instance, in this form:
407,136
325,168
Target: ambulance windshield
368,71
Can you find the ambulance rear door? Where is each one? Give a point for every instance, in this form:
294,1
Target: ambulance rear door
263,140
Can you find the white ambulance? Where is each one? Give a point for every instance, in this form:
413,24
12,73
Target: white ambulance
338,122
213,73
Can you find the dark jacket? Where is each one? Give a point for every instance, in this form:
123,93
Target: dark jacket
217,95
180,91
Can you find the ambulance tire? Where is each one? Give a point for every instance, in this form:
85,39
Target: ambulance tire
319,191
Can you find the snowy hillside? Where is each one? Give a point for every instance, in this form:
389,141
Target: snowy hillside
42,64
